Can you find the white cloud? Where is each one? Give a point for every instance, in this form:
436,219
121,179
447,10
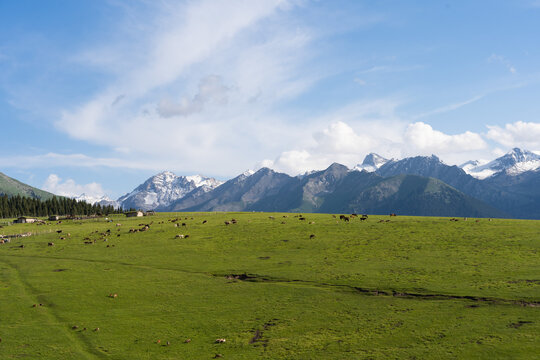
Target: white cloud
211,89
336,143
70,188
520,134
76,160
426,140
165,105
450,107
340,142
501,59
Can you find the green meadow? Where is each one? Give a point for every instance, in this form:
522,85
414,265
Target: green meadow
272,286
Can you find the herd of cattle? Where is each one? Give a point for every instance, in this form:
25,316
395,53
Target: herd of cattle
178,223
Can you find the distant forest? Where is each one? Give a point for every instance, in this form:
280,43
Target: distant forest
13,206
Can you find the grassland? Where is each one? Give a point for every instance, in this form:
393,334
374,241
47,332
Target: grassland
408,288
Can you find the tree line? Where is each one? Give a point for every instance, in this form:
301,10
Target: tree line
14,206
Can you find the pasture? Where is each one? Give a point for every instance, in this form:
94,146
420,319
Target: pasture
272,286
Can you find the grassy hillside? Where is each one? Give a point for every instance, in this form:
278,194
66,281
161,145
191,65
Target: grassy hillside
424,288
12,187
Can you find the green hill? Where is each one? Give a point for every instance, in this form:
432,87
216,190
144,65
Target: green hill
12,187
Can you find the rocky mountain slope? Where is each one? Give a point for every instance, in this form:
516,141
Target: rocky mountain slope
337,189
513,163
161,190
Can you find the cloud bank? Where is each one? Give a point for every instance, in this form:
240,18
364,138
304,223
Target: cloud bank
70,188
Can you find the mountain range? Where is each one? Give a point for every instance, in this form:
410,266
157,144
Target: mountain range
508,186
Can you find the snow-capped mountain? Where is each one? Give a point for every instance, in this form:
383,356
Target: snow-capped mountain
101,200
371,163
164,188
513,163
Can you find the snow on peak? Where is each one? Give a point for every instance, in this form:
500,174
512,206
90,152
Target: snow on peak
200,180
248,172
515,162
164,188
371,163
102,200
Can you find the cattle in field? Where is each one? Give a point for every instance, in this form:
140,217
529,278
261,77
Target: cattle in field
393,214
312,236
50,244
204,221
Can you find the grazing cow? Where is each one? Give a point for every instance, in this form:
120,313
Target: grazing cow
227,223
204,222
220,341
187,341
50,244
271,217
184,224
393,214
59,231
180,236
312,236
301,218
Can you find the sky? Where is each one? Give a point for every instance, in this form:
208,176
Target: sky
97,96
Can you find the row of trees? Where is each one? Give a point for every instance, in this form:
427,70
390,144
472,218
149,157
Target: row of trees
24,206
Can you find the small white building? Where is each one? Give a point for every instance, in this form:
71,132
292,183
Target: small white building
24,220
134,214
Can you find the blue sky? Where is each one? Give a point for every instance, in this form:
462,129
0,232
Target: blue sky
96,96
